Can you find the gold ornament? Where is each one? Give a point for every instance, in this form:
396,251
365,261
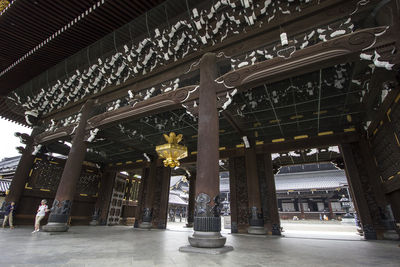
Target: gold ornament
172,152
4,4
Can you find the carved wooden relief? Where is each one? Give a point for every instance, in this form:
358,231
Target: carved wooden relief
46,174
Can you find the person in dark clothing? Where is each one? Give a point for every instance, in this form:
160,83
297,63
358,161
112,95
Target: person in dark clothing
9,214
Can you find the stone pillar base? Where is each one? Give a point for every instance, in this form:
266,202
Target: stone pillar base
348,221
207,240
94,223
210,251
55,227
369,232
256,230
276,229
145,225
391,235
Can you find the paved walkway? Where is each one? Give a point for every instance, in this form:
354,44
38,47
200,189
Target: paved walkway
123,246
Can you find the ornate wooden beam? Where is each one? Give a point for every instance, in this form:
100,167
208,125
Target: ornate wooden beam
290,145
300,62
157,104
313,142
254,37
309,59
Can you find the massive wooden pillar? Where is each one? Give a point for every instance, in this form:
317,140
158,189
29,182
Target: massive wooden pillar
354,180
192,191
147,206
141,194
207,222
330,208
104,198
256,220
153,197
160,204
61,208
273,223
22,172
238,192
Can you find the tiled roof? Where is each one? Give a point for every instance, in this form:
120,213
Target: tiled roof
311,180
177,200
9,165
175,179
4,185
224,185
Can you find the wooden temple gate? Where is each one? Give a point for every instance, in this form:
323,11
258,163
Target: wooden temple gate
239,97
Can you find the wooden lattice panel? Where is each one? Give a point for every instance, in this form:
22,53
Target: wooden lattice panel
115,209
387,153
46,175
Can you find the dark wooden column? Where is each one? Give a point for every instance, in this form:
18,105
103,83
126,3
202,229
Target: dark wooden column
66,189
330,208
141,194
104,198
358,193
147,215
207,181
302,216
22,172
256,220
165,176
238,193
394,199
274,224
233,198
374,175
207,222
192,191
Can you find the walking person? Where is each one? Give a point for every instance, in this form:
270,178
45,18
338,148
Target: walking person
41,212
9,214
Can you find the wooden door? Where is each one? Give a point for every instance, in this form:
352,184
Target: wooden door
117,197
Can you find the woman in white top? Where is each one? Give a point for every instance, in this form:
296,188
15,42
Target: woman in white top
41,212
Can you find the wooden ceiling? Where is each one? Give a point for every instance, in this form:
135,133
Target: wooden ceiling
264,114
27,24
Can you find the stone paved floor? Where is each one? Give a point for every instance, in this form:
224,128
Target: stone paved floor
123,246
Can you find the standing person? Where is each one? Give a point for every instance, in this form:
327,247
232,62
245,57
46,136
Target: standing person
41,212
10,210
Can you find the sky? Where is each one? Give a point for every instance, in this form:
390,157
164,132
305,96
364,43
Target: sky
8,142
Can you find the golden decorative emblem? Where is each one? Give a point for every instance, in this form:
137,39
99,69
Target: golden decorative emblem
172,152
3,4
